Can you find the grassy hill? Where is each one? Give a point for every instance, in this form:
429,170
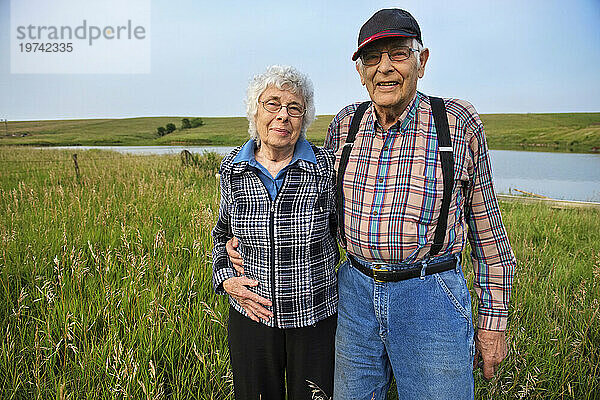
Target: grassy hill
577,132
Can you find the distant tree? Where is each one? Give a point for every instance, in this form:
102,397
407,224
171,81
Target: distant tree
196,122
185,124
161,131
170,128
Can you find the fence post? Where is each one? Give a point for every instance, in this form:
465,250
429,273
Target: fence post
187,158
76,165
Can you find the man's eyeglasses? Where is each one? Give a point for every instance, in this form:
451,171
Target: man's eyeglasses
373,57
293,110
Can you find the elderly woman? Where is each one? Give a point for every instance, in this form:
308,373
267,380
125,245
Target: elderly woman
277,198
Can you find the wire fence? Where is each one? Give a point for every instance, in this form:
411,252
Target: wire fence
51,161
23,167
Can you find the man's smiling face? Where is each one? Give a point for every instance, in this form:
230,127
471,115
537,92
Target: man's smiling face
392,84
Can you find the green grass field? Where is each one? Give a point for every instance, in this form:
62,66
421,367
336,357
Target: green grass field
105,285
577,132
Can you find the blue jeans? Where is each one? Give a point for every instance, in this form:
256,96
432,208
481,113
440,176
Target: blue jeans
420,329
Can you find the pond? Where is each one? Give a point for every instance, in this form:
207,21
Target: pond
568,176
565,176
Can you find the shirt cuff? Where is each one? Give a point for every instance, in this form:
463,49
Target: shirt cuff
221,276
492,319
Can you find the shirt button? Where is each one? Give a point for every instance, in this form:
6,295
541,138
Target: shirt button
374,212
380,180
385,148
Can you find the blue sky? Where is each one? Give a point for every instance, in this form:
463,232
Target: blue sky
503,56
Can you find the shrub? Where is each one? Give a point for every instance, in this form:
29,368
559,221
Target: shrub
170,128
196,122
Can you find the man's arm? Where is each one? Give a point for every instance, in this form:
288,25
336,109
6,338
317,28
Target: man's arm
493,259
222,269
492,255
225,277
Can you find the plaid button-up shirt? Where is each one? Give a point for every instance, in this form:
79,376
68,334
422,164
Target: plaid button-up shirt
288,244
393,189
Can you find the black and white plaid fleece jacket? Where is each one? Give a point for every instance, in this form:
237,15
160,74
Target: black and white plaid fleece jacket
288,245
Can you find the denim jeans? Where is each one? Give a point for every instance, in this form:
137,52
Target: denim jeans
419,329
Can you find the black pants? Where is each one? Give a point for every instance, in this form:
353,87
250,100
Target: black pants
262,356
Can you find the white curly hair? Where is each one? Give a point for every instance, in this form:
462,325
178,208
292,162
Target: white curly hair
283,77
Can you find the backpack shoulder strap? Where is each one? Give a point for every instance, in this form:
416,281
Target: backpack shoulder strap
354,124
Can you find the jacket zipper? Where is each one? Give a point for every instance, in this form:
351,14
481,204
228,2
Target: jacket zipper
272,242
272,238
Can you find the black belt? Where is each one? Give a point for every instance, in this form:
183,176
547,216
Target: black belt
382,275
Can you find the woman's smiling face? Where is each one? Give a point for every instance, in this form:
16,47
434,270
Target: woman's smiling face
278,130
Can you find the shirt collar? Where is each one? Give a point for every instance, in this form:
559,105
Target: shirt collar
409,114
246,153
303,152
405,118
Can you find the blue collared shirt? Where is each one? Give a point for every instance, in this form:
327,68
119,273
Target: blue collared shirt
302,151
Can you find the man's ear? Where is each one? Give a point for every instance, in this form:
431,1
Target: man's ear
424,56
359,70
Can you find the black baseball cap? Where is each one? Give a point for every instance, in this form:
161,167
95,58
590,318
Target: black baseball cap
389,22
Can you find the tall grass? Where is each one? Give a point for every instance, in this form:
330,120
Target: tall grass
554,324
105,285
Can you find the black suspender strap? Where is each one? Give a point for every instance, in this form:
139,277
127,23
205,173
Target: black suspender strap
354,124
445,150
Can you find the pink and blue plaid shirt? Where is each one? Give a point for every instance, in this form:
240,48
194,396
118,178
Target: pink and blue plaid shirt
393,189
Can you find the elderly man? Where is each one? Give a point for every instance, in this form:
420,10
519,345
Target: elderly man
414,177
413,173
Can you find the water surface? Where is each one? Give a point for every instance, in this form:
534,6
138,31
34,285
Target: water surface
568,176
565,176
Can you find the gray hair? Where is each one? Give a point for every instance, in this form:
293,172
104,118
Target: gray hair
282,77
414,43
419,47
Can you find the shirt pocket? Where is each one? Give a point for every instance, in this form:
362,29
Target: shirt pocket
425,198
